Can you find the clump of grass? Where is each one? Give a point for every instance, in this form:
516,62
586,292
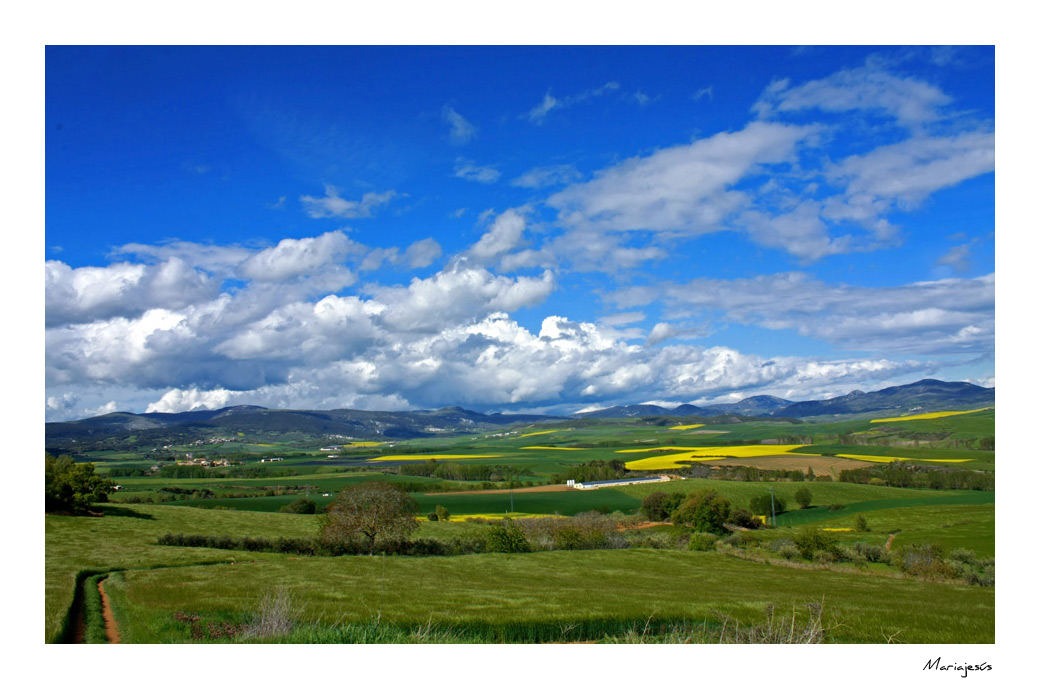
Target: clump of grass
804,629
276,617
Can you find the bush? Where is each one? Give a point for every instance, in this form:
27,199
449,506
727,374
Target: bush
836,507
507,539
803,496
923,560
744,519
702,542
432,516
861,523
301,506
442,513
812,540
742,539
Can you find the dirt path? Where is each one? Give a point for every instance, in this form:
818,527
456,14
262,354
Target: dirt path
111,628
888,543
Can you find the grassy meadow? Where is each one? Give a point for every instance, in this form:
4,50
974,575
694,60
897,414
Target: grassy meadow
167,594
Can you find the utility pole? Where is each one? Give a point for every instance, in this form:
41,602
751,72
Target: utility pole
772,504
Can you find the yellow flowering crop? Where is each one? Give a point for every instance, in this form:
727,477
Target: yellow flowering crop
931,415
685,428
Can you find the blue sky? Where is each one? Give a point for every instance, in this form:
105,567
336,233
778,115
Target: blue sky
511,228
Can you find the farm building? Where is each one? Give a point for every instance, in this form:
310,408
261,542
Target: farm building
592,485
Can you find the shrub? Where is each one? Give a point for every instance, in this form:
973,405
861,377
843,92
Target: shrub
836,507
744,519
301,506
432,516
442,513
702,542
812,540
742,539
803,496
861,523
507,539
923,560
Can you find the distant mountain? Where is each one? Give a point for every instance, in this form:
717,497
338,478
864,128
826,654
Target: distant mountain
156,429
641,410
124,429
759,405
923,396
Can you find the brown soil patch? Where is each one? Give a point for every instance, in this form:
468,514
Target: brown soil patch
111,629
644,525
556,488
828,466
888,543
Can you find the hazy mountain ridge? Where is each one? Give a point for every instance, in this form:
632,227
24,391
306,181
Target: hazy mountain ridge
252,421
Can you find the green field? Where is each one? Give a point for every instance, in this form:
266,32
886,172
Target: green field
545,595
536,589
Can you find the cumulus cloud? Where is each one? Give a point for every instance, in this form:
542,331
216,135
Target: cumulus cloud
504,235
79,295
292,257
332,205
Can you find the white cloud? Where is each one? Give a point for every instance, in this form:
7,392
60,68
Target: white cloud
687,188
332,205
907,100
422,253
78,295
462,131
505,234
905,173
471,172
549,176
292,257
191,399
538,113
952,316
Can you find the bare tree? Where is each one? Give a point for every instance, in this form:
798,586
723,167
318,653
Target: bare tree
370,510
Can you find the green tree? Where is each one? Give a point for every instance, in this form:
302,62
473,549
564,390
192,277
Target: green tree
704,510
803,496
765,503
370,511
442,513
73,487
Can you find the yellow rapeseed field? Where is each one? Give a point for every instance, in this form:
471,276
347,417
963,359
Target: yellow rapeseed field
932,415
528,435
689,454
685,428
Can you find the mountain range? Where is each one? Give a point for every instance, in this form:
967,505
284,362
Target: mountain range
119,428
